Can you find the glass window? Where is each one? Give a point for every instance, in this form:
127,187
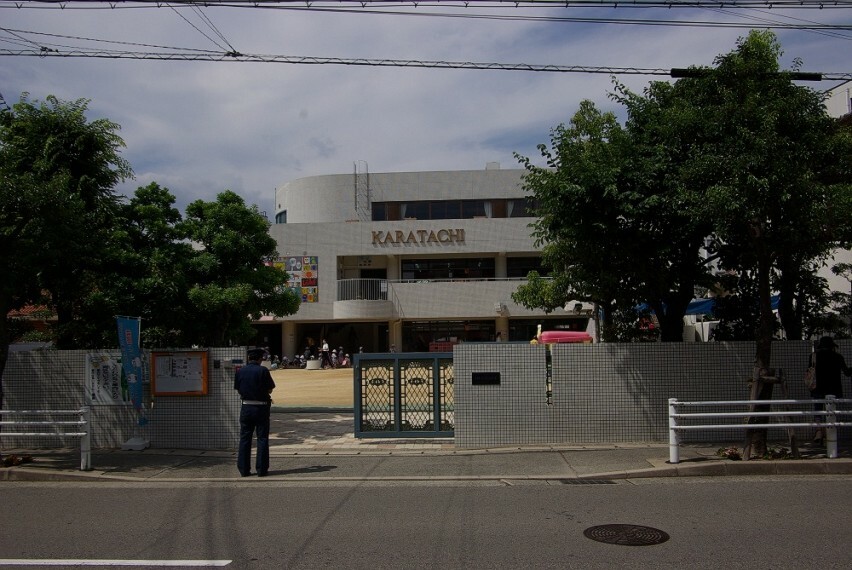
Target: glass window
460,268
521,207
521,266
473,208
281,217
415,210
445,210
380,211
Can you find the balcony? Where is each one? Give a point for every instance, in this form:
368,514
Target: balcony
363,299
427,299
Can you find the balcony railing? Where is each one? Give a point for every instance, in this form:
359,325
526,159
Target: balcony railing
377,289
362,290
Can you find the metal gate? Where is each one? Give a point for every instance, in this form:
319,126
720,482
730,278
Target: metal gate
404,395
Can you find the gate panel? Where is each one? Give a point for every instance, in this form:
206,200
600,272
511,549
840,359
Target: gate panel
404,395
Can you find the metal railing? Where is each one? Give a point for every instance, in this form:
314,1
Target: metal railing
830,423
62,428
362,289
377,289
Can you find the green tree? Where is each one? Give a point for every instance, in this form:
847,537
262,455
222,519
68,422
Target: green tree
231,277
616,225
768,163
143,273
578,196
57,171
52,147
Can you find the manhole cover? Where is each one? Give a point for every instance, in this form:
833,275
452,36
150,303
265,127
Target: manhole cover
626,534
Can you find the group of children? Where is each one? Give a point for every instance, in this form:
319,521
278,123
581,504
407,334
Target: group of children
338,359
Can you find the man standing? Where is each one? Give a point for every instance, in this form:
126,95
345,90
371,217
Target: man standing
255,384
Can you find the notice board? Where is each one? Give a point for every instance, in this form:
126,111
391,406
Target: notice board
179,373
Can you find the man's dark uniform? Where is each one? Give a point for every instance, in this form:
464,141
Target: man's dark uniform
255,384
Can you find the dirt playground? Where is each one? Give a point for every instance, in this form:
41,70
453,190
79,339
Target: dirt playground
298,388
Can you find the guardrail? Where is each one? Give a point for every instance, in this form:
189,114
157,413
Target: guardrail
830,414
84,433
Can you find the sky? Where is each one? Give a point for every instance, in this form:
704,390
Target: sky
202,127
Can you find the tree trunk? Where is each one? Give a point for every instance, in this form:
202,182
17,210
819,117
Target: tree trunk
763,355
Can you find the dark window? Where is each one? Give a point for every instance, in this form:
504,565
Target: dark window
281,217
461,268
414,210
521,208
445,210
473,209
521,266
454,209
380,211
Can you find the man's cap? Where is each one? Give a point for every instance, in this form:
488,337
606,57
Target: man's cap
256,353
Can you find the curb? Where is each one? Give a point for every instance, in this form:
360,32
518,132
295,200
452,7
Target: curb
842,466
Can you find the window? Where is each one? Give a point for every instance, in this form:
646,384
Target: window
521,207
521,266
453,209
281,217
414,210
380,211
473,209
459,268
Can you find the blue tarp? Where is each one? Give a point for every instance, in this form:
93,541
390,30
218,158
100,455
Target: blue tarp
702,306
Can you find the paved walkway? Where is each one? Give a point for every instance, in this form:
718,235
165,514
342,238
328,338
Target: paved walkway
320,447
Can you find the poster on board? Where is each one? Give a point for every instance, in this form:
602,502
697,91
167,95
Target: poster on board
105,381
179,373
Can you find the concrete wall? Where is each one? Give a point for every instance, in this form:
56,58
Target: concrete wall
605,393
50,379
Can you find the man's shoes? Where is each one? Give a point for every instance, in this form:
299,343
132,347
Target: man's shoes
246,474
264,474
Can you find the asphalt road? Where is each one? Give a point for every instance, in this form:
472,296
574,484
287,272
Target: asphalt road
776,523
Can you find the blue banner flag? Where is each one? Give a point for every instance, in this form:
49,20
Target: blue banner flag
131,359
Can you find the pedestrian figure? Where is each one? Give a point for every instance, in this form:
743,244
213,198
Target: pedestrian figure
326,356
828,364
254,384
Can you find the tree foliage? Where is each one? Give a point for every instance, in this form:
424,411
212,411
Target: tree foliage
69,165
69,242
735,158
231,275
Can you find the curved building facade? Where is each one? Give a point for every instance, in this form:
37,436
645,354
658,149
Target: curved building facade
412,261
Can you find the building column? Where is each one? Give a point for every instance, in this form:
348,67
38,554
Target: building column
500,265
395,334
501,325
288,338
393,267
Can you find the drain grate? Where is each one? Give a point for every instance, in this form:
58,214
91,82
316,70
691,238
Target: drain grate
626,534
586,481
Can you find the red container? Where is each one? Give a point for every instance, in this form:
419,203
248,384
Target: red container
555,337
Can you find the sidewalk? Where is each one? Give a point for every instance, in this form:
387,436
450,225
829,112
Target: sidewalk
311,447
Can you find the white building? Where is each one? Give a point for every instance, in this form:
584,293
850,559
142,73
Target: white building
410,260
838,103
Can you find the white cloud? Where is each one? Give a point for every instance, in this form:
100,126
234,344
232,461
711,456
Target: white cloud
201,127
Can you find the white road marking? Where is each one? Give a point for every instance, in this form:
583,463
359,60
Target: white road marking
90,562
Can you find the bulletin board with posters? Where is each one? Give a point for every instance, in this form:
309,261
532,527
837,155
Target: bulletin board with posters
302,276
179,373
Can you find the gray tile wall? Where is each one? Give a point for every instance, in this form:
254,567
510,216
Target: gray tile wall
606,393
55,380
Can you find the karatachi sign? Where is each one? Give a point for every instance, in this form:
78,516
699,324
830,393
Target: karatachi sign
418,237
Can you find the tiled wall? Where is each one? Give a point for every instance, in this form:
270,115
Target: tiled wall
605,393
49,379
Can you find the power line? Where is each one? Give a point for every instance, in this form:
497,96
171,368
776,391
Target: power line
311,60
368,5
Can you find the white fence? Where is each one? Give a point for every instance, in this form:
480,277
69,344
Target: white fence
61,428
794,419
